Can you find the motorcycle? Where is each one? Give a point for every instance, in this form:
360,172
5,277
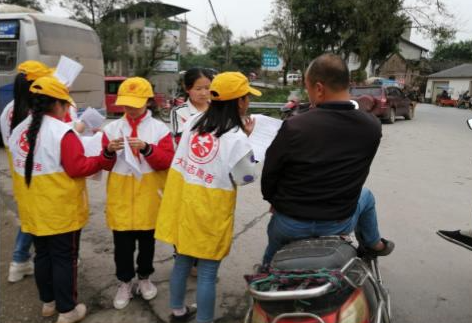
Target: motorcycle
464,101
319,280
293,106
165,111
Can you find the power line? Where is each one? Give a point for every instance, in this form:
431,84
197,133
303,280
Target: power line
214,14
192,26
224,35
197,29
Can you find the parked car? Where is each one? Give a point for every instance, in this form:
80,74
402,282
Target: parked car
112,83
386,102
291,79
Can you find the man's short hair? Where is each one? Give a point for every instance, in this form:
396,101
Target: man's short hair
330,70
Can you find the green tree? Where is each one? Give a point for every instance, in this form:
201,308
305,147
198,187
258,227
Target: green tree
196,60
33,4
109,19
91,12
369,28
218,36
432,18
374,34
284,25
322,24
218,55
245,58
218,42
114,45
460,51
162,45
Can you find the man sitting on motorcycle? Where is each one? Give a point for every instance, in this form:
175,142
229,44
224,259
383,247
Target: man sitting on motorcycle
316,166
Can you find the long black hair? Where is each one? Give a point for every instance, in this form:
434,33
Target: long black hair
192,75
40,105
221,117
21,96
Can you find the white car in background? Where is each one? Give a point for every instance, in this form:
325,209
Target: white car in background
291,79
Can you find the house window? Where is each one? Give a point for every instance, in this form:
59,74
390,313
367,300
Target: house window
139,36
131,63
130,37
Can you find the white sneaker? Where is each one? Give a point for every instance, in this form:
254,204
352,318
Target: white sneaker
18,270
147,289
123,295
76,315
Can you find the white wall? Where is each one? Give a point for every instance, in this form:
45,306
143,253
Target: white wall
458,86
353,63
429,89
408,51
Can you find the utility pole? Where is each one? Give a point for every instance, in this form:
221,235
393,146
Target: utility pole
224,35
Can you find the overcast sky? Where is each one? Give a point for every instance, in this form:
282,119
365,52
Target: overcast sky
244,17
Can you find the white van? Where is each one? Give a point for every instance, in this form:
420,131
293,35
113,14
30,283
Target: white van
291,79
35,36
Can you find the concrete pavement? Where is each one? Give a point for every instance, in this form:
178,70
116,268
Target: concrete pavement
422,180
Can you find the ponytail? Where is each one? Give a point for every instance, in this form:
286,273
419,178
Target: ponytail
40,104
21,96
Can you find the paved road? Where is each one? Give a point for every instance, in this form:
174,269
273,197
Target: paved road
422,179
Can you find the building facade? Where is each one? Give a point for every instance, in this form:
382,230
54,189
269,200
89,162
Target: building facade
455,81
141,21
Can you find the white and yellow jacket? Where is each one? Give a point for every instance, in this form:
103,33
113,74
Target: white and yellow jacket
133,204
197,210
54,203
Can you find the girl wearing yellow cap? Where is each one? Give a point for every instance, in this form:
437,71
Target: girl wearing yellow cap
197,210
14,113
132,203
50,166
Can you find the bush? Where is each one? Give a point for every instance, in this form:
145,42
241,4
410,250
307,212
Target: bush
358,77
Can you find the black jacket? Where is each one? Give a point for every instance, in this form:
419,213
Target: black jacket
318,162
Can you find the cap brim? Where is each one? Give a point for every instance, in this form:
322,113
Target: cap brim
255,92
131,101
71,102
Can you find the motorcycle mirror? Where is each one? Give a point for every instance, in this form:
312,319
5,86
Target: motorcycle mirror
469,123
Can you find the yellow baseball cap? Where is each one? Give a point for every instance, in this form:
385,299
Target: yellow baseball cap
231,85
51,86
134,92
34,70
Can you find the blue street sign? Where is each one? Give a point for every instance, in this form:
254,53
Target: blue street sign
270,57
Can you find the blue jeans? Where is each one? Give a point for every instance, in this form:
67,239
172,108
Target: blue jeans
206,285
22,247
283,229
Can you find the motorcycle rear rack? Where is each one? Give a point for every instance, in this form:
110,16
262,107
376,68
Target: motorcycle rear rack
306,293
297,315
382,310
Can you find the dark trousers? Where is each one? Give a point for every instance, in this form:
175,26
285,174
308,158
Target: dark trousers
125,245
55,269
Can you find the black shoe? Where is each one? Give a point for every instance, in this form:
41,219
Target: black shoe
389,246
457,238
189,314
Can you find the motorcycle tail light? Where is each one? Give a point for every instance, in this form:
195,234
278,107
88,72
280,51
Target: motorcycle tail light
259,315
355,309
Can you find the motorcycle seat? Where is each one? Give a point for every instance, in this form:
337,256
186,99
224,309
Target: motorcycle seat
314,253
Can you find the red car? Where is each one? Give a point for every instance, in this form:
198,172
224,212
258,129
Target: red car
112,83
386,102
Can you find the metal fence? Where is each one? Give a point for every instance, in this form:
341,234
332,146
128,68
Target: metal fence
266,105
